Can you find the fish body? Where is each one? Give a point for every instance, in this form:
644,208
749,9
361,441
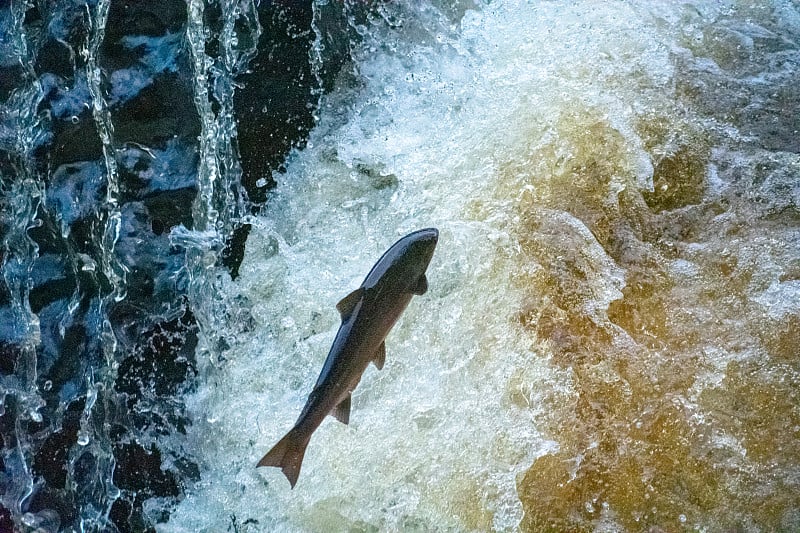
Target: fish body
368,314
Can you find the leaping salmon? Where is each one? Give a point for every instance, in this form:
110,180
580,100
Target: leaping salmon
368,314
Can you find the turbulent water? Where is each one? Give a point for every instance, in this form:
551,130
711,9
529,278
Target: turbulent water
609,340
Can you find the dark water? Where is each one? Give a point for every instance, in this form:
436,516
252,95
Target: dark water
121,123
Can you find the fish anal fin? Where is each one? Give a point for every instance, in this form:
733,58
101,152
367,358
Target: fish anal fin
347,304
287,455
342,411
380,356
421,287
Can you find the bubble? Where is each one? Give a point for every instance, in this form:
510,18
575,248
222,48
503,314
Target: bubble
113,492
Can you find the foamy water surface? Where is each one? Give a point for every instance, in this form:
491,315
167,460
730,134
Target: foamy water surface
609,338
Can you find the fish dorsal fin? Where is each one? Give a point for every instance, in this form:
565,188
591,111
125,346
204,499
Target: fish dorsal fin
349,302
342,411
380,356
421,287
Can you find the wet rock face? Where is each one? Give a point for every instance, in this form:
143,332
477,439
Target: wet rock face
100,150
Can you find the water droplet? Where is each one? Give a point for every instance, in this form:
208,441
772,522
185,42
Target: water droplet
74,119
48,385
682,518
113,492
83,438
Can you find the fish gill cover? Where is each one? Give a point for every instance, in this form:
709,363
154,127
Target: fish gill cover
609,338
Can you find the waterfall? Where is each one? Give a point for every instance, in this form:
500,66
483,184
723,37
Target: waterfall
608,342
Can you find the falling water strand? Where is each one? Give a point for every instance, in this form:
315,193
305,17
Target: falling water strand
112,267
233,59
317,50
208,174
20,252
21,196
25,195
219,205
204,243
219,201
97,496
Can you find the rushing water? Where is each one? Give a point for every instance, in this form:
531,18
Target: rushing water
609,341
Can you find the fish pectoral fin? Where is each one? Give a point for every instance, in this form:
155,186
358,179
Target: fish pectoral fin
380,356
342,411
421,286
347,304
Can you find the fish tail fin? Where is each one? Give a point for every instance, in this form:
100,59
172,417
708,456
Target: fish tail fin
287,455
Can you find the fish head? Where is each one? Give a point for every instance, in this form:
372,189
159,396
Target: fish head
420,247
405,263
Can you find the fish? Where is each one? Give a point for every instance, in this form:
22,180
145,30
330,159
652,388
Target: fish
368,314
